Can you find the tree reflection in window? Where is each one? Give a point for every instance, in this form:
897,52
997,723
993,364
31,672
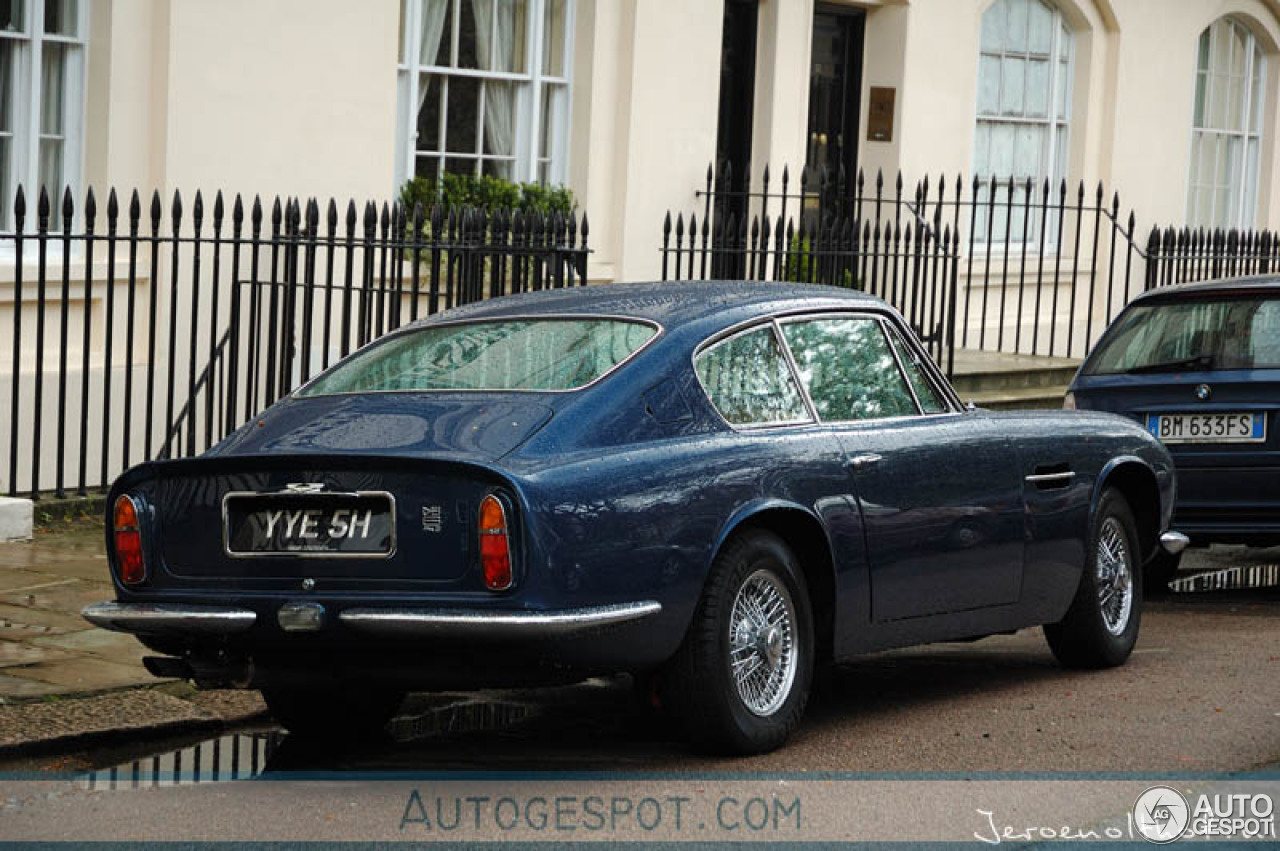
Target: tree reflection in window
848,369
557,354
749,382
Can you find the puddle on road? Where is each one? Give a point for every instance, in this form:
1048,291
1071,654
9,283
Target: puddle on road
240,756
247,755
1245,577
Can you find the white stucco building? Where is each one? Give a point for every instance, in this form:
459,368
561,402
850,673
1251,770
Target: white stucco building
1170,102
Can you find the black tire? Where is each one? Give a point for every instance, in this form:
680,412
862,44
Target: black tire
348,713
1094,634
699,687
1159,572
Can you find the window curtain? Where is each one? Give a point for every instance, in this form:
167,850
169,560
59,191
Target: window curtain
433,14
499,97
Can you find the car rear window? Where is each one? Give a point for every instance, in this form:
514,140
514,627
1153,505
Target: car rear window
526,354
1196,334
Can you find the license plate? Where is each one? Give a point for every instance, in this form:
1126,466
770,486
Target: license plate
359,525
1209,428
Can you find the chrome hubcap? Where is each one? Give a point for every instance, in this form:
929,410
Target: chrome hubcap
762,649
1115,578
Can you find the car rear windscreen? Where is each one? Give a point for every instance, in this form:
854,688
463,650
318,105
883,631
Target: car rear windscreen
526,354
1231,332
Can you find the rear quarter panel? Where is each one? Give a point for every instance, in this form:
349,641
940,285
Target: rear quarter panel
644,522
1095,447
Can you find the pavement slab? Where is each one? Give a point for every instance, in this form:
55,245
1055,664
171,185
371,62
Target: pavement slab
114,646
21,688
65,596
16,654
15,578
19,622
85,674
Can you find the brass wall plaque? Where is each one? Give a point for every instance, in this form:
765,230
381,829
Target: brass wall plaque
880,114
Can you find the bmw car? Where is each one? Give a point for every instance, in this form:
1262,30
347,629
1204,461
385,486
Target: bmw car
715,487
1198,366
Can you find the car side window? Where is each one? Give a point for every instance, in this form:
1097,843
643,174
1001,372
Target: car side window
849,369
931,401
748,380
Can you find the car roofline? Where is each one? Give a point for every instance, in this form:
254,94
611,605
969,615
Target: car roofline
1243,285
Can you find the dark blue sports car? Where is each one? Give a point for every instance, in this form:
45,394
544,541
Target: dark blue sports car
712,486
1198,365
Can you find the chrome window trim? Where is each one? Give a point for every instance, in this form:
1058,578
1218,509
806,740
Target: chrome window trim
738,330
932,373
226,527
902,370
795,371
879,317
423,324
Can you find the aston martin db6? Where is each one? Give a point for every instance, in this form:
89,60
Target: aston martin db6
714,487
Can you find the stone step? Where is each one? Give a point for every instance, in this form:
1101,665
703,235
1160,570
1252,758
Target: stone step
990,372
1021,399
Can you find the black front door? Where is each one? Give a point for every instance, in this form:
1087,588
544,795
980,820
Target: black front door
835,89
737,97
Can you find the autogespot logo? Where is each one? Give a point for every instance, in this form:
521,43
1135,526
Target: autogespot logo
1161,814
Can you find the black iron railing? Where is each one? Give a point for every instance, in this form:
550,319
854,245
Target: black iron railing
993,264
149,334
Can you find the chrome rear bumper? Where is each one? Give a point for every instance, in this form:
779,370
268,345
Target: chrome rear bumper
481,623
161,619
464,623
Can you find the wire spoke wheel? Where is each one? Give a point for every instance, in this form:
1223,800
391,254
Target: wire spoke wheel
763,652
1115,577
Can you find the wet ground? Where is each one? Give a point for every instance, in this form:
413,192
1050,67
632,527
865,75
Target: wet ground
1199,694
911,745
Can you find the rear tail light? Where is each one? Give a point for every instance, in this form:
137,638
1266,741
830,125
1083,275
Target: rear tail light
128,540
495,546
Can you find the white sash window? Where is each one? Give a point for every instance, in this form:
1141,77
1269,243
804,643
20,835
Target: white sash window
42,70
1226,128
484,88
1024,112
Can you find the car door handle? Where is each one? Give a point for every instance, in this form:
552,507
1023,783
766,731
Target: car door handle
861,462
1051,478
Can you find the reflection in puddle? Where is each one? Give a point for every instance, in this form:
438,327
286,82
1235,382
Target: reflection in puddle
240,756
465,717
1229,579
244,756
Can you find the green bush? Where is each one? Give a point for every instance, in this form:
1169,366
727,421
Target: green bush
485,192
803,264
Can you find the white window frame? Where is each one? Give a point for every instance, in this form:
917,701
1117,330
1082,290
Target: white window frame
1050,154
1238,193
527,156
26,96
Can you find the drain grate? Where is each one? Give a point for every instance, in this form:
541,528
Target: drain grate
1229,579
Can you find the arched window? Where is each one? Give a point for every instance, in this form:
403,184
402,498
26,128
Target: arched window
1024,92
1226,130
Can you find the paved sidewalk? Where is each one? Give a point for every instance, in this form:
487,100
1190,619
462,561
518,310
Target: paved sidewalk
60,677
46,648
